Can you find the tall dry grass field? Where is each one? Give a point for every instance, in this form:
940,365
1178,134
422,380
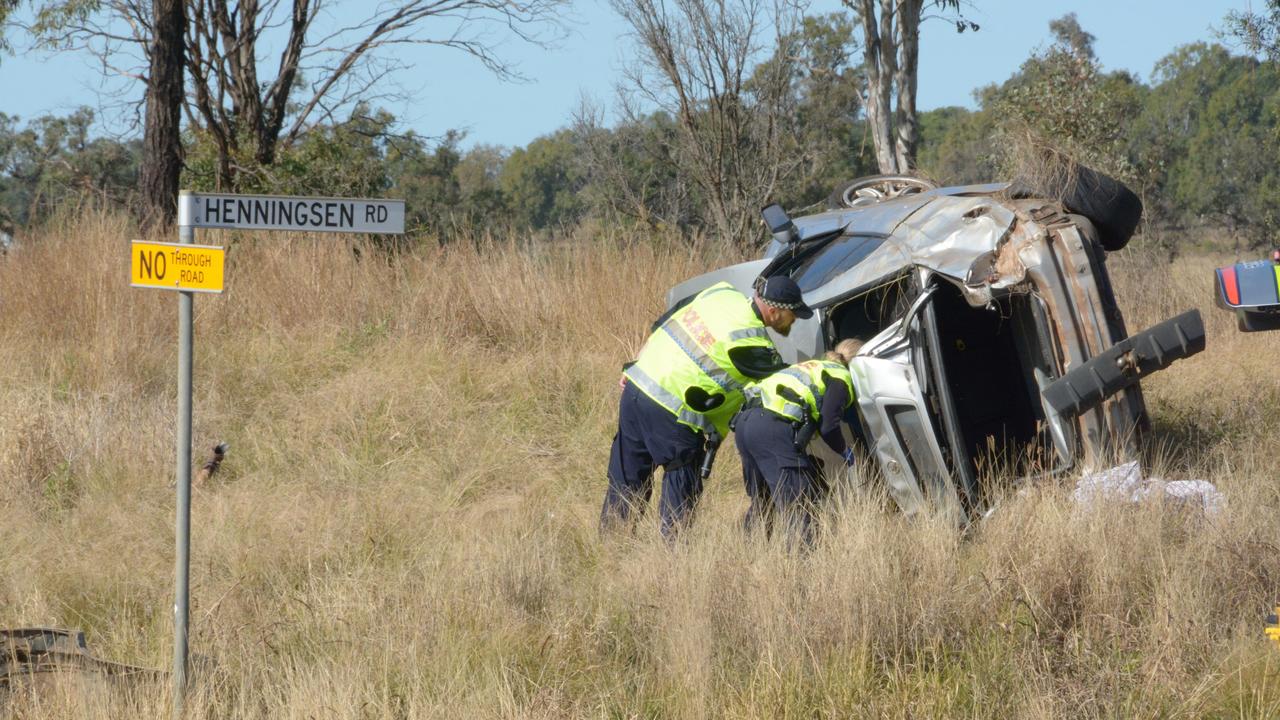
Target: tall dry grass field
405,524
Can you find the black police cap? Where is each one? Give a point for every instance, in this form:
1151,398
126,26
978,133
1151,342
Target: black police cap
781,291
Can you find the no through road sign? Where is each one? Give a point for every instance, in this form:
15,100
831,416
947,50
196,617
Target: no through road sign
173,266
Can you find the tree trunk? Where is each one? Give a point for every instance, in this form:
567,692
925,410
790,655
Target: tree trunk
891,53
161,142
909,53
879,54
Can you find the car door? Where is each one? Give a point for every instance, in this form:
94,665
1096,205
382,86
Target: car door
740,276
890,379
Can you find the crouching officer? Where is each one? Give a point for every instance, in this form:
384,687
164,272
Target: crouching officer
683,388
774,428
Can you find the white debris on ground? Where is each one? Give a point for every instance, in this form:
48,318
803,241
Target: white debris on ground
1125,483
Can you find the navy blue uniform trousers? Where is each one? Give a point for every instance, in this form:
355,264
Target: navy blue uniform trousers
648,435
780,478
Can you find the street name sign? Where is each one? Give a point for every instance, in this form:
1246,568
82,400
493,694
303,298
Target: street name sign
174,266
302,214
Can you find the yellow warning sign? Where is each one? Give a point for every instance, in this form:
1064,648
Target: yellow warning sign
173,266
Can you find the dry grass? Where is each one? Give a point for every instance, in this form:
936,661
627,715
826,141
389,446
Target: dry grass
405,524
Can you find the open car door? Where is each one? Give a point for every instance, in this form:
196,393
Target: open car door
890,378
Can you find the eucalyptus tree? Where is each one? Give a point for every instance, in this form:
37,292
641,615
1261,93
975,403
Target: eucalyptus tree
891,52
1258,32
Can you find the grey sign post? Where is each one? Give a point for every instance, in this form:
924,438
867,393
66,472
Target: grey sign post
186,303
244,212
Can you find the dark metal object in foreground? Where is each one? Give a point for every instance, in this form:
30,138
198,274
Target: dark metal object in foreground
26,652
709,459
216,456
1125,363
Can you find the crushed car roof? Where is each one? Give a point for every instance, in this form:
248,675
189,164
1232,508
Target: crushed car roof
947,232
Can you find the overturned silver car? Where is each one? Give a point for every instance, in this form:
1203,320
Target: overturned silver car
993,341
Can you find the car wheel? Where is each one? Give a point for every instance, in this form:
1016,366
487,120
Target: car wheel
876,188
1114,209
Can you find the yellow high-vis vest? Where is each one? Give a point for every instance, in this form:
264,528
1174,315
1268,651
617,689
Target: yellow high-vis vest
807,382
691,349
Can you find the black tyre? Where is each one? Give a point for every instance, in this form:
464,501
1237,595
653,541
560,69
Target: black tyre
1114,209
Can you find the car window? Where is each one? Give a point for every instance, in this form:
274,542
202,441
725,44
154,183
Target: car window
838,256
913,433
869,312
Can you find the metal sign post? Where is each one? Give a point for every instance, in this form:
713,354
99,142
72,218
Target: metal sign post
189,268
182,528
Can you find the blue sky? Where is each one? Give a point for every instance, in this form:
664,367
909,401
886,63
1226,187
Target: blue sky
449,90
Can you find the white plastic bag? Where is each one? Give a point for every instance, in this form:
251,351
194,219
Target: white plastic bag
1125,483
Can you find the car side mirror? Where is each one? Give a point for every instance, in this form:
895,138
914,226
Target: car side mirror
780,225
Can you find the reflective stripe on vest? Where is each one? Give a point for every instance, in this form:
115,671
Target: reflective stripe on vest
749,333
703,361
650,387
691,349
807,382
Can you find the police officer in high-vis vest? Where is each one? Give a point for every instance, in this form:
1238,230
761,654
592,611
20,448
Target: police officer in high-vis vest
683,389
772,432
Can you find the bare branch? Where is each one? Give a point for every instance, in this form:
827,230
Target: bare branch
235,103
734,130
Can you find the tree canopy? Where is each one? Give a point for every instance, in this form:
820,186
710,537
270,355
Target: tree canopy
1197,142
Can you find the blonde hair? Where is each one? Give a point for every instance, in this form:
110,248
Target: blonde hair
844,350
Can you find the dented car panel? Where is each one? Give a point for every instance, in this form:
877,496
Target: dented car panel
972,306
891,382
892,410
